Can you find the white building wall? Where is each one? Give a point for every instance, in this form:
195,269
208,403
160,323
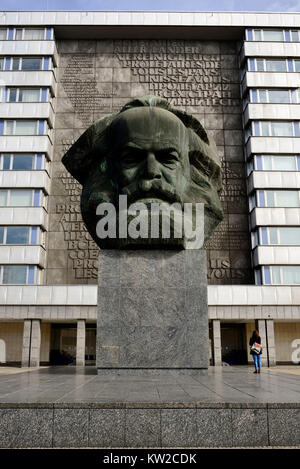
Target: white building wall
276,255
270,80
47,48
39,179
271,112
270,49
273,180
43,78
272,145
35,179
35,216
26,144
260,145
27,255
28,111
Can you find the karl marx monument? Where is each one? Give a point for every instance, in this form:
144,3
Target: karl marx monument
151,181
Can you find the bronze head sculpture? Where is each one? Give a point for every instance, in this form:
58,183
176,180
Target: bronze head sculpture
150,152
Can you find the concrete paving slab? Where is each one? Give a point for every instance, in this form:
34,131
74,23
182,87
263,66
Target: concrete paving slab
223,384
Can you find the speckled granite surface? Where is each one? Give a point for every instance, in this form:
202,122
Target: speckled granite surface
75,407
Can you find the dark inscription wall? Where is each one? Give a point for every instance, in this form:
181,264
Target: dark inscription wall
98,77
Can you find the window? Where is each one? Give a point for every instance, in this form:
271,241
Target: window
22,161
34,34
31,63
289,275
20,235
17,235
280,198
3,34
21,197
18,34
275,129
285,236
276,163
268,35
275,65
19,274
27,63
258,277
282,275
268,65
297,65
14,274
23,127
295,36
281,129
27,95
260,65
278,96
29,34
1,63
273,35
257,35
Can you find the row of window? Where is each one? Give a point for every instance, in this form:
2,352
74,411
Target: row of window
273,129
23,161
277,198
25,63
23,127
25,95
20,275
273,65
274,163
278,275
277,96
276,235
273,35
26,34
22,198
20,235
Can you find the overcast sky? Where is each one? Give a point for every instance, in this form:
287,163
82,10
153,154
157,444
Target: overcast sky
169,5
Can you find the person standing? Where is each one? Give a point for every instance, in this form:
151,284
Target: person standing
256,339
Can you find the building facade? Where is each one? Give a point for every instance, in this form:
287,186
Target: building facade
239,74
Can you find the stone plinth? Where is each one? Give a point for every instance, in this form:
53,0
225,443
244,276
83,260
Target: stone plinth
152,310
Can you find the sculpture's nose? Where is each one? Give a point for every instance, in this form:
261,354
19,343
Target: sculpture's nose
152,167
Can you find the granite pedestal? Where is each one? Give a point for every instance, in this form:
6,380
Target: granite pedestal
73,407
152,310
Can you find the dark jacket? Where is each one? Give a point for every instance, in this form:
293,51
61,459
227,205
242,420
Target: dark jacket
251,342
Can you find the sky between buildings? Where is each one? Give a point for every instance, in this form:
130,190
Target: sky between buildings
160,5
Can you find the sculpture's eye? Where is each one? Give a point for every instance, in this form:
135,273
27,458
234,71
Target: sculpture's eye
168,157
131,156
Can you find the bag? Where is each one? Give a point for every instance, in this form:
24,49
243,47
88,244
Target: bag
256,348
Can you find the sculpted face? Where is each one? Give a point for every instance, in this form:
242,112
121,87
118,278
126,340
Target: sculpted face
149,160
150,152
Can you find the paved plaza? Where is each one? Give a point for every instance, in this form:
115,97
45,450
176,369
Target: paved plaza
83,385
66,407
